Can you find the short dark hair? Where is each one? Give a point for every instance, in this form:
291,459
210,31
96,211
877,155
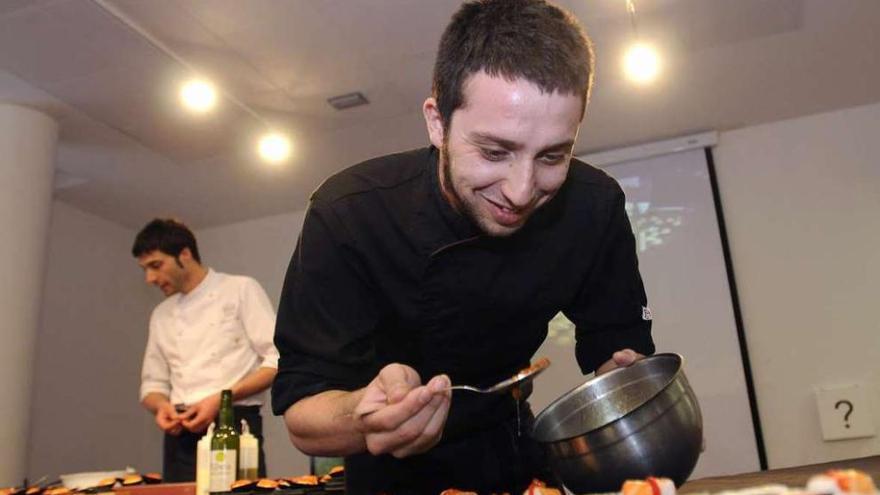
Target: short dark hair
530,39
166,235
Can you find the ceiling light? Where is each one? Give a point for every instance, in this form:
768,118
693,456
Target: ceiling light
274,147
641,63
199,96
348,100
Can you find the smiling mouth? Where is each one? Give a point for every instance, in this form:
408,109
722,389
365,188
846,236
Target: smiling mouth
503,215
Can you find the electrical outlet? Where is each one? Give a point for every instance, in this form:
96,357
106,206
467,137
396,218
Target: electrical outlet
844,412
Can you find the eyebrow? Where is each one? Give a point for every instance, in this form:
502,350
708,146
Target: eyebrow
486,138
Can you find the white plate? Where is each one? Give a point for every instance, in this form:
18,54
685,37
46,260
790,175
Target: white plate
76,481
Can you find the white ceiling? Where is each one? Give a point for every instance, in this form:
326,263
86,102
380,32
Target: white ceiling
127,152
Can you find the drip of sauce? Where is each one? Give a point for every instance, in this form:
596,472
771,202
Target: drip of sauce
516,392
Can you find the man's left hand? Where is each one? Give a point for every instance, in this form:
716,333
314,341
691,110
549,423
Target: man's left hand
198,416
619,359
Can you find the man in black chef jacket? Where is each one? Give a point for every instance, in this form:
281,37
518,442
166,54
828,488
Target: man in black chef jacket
444,265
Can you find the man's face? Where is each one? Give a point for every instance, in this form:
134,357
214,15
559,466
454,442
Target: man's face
164,271
506,151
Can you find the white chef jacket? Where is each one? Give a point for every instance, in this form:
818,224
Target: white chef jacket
205,341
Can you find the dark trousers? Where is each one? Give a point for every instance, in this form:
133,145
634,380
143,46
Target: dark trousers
179,452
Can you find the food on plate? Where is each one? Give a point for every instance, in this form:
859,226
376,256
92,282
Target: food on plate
538,487
841,481
266,485
648,486
243,485
152,478
106,483
307,480
132,480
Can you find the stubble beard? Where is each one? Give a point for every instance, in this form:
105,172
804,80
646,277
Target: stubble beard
463,207
177,281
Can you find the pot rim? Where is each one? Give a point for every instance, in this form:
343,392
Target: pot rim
605,376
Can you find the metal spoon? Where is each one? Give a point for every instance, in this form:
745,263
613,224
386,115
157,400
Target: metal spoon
523,376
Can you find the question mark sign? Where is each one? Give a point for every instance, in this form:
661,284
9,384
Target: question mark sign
848,411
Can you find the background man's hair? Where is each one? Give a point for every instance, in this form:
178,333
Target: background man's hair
166,235
530,39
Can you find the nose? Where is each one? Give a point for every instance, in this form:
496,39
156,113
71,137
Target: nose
149,277
518,187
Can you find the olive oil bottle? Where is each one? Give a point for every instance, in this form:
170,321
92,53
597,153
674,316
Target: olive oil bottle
224,448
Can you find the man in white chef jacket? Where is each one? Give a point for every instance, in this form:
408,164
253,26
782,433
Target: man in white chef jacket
213,331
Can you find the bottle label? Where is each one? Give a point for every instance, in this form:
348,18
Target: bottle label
223,470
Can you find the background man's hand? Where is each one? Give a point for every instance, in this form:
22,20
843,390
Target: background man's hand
168,419
398,415
619,359
198,416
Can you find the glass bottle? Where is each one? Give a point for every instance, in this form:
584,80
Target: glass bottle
224,447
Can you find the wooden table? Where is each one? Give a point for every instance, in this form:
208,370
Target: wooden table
793,477
160,489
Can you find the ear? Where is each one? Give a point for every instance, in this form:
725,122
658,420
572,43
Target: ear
433,121
185,255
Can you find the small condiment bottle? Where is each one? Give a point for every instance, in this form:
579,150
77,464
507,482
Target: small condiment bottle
249,447
203,462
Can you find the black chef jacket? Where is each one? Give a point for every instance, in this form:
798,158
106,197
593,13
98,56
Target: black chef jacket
385,271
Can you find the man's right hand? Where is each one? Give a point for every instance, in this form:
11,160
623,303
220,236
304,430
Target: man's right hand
399,415
168,419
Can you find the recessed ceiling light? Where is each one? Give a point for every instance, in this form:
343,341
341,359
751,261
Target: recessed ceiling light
274,147
641,63
198,95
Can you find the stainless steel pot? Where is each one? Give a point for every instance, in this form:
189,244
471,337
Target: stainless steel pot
629,423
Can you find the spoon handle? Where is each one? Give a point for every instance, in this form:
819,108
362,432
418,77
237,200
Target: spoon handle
466,387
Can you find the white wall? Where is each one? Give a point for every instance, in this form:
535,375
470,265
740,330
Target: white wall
85,411
261,249
802,203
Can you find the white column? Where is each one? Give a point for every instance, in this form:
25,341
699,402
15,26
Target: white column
27,157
